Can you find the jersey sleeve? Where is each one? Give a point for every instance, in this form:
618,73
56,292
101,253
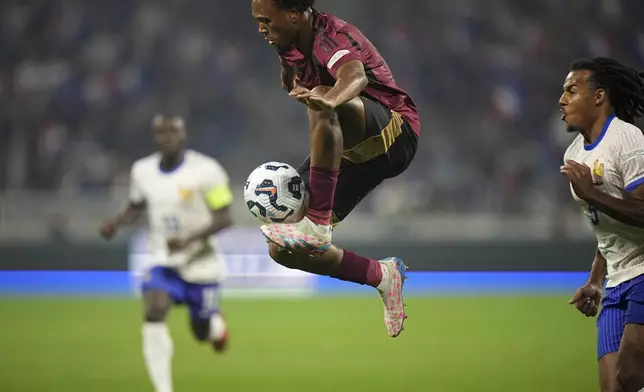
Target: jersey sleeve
336,51
136,192
216,188
631,161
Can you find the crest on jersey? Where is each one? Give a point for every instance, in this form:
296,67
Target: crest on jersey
185,194
598,172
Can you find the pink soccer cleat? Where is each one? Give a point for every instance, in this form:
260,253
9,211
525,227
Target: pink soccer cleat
391,293
301,236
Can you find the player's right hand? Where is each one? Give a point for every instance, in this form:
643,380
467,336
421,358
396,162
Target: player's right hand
587,299
108,230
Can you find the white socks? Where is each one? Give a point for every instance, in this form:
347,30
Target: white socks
386,278
217,327
157,351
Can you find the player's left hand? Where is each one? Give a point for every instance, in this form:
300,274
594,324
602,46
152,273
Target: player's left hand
587,299
580,178
177,244
311,99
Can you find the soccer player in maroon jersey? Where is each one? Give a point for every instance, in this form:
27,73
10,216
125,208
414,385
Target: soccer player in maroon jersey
364,129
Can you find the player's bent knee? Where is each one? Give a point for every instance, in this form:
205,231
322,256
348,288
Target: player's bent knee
322,115
354,103
157,304
327,116
155,314
321,90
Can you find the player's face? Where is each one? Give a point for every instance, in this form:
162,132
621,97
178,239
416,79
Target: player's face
169,137
579,101
279,27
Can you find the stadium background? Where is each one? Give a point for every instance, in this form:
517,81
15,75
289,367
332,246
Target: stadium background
482,216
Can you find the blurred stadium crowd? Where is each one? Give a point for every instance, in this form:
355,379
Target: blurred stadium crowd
80,81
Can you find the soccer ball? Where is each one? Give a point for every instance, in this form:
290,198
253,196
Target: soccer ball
273,192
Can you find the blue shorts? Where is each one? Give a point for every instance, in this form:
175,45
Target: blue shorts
622,304
202,299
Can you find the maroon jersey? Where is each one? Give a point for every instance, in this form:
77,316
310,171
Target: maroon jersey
336,42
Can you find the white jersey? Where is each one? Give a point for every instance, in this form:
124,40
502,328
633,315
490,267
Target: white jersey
616,160
178,204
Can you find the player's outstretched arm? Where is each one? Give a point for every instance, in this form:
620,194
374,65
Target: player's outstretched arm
127,217
219,200
588,297
133,211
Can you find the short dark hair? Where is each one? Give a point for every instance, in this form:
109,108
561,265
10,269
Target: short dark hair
298,5
624,85
176,120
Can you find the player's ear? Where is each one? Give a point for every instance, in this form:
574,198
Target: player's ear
293,16
600,96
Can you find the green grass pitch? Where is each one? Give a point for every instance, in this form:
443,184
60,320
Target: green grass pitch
306,345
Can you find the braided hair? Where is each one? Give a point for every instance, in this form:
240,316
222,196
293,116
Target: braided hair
623,85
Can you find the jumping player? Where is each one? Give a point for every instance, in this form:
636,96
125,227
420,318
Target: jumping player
186,196
363,130
605,167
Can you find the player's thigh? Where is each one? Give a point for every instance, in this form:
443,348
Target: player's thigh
204,301
631,351
385,132
387,151
610,323
161,288
156,304
351,115
630,364
389,147
610,328
608,373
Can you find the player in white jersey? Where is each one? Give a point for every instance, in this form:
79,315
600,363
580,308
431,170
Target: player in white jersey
186,196
605,167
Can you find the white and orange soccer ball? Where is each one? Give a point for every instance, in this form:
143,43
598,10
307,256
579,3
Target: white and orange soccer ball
274,192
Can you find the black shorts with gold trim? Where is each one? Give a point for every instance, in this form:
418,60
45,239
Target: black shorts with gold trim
387,151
